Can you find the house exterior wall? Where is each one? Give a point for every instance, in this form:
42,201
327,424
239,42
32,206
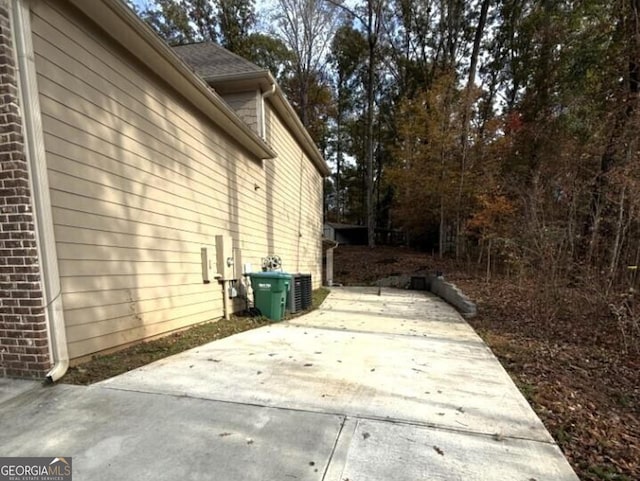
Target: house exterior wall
245,105
140,181
24,348
295,196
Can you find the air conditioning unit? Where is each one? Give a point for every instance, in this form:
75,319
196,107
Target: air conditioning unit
300,293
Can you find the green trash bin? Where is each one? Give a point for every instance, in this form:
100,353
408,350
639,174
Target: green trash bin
270,292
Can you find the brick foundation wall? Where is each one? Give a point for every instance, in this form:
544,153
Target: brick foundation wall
24,348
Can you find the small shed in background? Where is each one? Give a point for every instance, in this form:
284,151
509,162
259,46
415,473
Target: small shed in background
349,234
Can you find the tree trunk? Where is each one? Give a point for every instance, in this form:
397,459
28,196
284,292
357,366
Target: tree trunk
488,278
339,149
617,243
592,225
466,117
374,11
371,215
610,155
442,228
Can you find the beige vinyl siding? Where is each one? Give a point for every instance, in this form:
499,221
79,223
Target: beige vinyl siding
297,213
245,105
140,181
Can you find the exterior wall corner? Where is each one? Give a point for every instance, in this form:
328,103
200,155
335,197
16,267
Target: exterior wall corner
24,344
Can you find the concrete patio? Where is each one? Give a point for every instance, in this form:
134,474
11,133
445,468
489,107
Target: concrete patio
393,386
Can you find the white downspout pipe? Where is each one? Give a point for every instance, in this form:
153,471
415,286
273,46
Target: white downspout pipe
38,177
263,120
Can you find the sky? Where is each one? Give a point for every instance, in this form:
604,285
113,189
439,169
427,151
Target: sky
261,5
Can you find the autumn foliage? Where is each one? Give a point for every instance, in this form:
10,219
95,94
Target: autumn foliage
500,135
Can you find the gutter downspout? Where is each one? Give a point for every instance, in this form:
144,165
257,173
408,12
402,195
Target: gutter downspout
39,185
263,120
225,299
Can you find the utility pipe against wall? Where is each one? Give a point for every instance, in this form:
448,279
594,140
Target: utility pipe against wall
225,299
36,158
263,121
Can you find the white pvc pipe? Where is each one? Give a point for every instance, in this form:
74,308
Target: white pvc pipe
263,121
225,299
38,177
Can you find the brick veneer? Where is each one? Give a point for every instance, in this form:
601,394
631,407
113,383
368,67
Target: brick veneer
24,348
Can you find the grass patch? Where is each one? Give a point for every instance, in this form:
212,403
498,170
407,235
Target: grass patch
319,295
562,436
623,399
103,367
527,390
606,473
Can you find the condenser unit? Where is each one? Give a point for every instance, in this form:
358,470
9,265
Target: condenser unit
300,293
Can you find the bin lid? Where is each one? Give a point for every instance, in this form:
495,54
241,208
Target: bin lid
270,275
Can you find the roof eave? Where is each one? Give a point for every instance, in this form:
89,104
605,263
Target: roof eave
285,109
116,18
282,106
231,83
256,75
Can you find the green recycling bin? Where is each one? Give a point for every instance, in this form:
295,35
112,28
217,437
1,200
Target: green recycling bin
270,290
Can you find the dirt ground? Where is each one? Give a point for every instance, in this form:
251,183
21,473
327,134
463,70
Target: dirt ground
578,370
104,366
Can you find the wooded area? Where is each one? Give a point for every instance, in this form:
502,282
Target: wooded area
500,132
509,122
501,135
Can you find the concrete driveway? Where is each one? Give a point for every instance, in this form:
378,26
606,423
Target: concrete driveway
383,387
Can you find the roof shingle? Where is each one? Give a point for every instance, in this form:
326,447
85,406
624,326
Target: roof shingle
211,61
